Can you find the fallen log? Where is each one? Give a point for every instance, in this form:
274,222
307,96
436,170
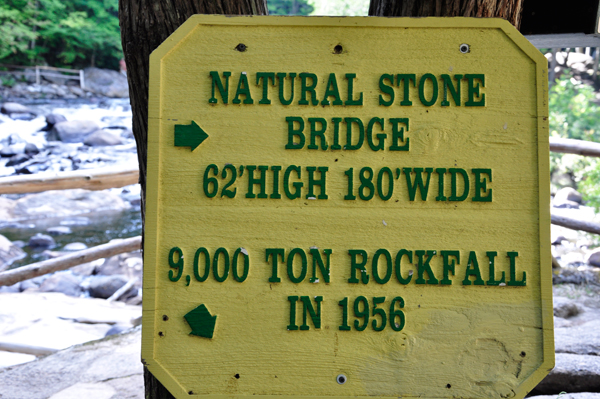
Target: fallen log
90,179
571,146
575,224
26,349
14,276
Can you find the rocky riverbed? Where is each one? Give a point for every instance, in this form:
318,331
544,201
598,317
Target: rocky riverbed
67,308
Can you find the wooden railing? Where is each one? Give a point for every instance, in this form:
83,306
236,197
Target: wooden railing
41,71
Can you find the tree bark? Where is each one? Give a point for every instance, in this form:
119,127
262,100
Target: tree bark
507,9
145,24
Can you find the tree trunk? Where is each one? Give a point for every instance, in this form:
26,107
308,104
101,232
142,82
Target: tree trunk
507,9
145,24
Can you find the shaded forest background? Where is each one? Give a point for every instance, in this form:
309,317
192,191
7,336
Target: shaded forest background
83,33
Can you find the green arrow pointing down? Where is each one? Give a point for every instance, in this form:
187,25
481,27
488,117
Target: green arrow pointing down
190,135
201,321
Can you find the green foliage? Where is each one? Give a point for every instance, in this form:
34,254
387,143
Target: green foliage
573,115
589,184
289,7
572,112
77,33
8,81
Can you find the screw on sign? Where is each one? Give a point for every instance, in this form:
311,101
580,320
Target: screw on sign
348,207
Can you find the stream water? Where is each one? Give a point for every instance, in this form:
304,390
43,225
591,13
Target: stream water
92,228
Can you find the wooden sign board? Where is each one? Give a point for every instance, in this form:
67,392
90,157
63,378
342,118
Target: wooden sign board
343,207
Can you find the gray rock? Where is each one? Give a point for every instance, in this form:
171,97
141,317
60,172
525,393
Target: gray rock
28,285
106,82
566,204
577,395
42,241
18,159
15,108
64,282
582,339
573,373
568,194
58,230
105,286
8,151
22,116
111,365
72,131
576,274
9,253
566,308
592,258
75,246
12,289
60,203
102,138
86,390
111,266
117,329
53,119
31,149
77,91
86,269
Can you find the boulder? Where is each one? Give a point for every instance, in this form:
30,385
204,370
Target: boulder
581,339
7,207
18,159
42,241
566,308
10,289
64,282
31,149
95,390
128,265
86,269
15,108
111,365
106,82
117,329
22,116
592,258
8,151
102,138
568,194
75,246
51,120
573,373
72,131
58,230
28,285
9,253
576,395
105,286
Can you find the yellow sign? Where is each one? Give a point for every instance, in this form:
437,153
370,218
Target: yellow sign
347,207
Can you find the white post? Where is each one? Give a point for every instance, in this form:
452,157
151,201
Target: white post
81,80
37,75
596,58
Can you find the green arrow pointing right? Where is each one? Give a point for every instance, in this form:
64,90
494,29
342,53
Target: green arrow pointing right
190,135
201,321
